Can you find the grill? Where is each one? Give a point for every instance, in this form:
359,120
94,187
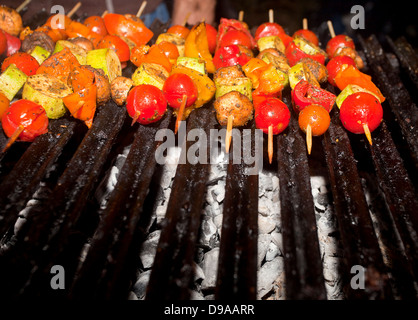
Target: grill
63,169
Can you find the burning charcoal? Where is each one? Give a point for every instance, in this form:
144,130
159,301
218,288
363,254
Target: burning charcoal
272,252
265,225
140,287
198,273
277,239
263,243
267,275
210,269
208,233
149,248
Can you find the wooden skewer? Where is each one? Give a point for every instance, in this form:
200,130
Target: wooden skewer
13,137
271,15
309,138
241,15
186,18
141,9
104,13
23,5
74,9
135,117
270,143
228,136
367,133
180,113
331,28
305,24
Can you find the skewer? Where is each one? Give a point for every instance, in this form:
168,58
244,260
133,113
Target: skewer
228,136
135,117
309,138
141,9
74,9
13,137
104,13
270,143
331,28
186,18
23,5
271,15
367,133
305,24
241,15
180,113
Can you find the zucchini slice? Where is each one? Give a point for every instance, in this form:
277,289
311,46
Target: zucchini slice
76,50
11,81
107,60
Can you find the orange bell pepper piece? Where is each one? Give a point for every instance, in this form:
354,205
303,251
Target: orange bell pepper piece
269,83
197,46
77,29
59,64
253,69
153,54
352,75
82,104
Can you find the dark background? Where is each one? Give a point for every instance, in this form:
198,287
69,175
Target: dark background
394,18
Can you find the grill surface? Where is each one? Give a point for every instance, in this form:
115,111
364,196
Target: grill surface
69,162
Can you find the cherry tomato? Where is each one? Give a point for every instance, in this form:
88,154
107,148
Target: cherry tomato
3,42
272,112
231,55
268,29
77,29
181,31
337,64
28,114
116,44
23,61
96,25
147,103
170,50
315,116
4,104
211,34
337,42
308,35
177,85
236,37
358,109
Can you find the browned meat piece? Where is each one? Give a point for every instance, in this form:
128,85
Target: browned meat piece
231,72
120,87
82,42
347,51
319,71
38,38
10,21
276,58
233,104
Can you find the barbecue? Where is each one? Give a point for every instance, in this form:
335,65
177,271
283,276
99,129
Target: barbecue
56,206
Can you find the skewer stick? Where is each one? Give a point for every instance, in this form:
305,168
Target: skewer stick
141,9
271,15
74,9
180,113
309,138
186,18
13,137
104,13
305,24
241,15
270,143
135,117
331,28
23,5
367,133
228,136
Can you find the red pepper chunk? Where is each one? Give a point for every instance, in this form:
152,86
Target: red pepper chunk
231,55
227,25
305,94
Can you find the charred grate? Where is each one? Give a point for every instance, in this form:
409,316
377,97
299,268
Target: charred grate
99,245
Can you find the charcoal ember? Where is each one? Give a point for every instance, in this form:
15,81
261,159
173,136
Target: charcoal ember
210,269
267,276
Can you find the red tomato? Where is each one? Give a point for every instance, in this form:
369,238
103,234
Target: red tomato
268,29
119,25
236,37
272,112
337,64
170,50
181,31
96,25
177,85
147,103
230,56
116,44
358,109
23,61
28,114
294,54
211,33
337,42
3,42
308,35
315,116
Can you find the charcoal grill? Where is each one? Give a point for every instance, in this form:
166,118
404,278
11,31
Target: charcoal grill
65,166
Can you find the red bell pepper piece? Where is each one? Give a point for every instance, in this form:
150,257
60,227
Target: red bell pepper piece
232,24
305,94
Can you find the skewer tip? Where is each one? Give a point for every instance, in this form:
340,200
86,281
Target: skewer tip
228,136
135,117
270,143
180,113
309,138
367,133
